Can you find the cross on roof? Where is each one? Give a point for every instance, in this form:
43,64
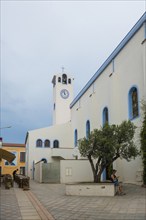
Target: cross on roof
62,69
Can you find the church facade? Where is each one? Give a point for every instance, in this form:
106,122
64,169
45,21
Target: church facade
113,94
53,143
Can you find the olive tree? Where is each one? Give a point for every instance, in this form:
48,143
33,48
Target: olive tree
105,145
143,142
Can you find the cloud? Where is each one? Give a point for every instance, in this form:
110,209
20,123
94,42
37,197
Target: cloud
39,37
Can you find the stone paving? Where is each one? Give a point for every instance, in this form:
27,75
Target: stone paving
9,208
131,206
16,204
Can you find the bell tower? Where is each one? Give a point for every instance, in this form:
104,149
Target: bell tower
62,97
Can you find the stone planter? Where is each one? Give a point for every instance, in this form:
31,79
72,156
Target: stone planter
90,189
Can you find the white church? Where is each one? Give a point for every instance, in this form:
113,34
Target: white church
113,94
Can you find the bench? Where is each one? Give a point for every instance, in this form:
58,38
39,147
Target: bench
8,181
22,181
90,189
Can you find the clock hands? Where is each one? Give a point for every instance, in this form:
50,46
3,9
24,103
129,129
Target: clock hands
64,93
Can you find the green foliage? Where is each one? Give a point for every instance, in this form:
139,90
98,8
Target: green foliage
143,144
107,144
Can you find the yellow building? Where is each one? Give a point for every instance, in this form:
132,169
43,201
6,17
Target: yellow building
17,163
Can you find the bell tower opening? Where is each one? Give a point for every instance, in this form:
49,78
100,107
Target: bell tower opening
64,78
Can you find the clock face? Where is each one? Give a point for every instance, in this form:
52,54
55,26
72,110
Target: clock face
64,93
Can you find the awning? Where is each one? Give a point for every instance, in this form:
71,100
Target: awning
6,155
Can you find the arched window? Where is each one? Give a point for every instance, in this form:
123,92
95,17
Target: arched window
47,143
56,144
44,160
69,81
59,79
87,128
105,116
39,143
75,138
133,103
64,78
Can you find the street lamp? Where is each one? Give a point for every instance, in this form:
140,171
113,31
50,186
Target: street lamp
1,140
5,127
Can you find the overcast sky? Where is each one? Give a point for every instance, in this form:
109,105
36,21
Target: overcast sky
38,38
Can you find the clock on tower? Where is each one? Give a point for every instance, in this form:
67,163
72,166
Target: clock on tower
64,93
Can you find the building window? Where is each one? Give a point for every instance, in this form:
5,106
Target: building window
22,156
22,170
39,143
15,161
87,129
105,116
69,81
133,103
75,138
59,79
47,143
44,160
64,78
56,144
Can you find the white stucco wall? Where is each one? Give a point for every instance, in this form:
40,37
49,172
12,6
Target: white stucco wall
112,92
109,90
61,112
72,171
38,172
62,133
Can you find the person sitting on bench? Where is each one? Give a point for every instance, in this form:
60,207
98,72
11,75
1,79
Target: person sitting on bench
115,180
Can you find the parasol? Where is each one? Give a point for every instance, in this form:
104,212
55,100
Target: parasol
6,155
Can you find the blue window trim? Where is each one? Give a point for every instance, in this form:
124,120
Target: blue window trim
104,175
49,143
54,143
104,116
75,138
144,30
117,50
87,128
37,141
44,159
113,65
130,115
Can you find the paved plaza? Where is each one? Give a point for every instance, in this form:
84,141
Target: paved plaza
49,202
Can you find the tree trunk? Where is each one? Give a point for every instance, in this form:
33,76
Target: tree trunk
98,177
93,168
96,174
